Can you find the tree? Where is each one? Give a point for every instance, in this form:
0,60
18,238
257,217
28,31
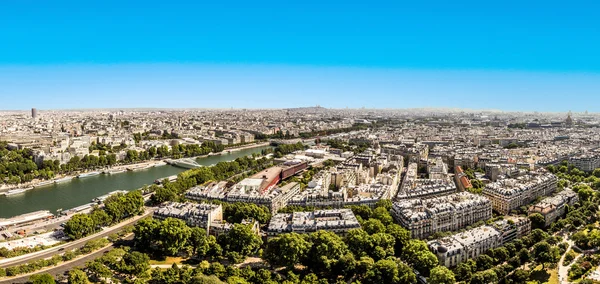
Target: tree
76,276
199,241
146,233
520,276
390,271
327,248
463,272
204,279
544,253
163,194
586,193
501,254
417,254
373,226
286,249
386,204
381,246
441,275
236,212
362,211
113,206
135,263
537,221
241,239
100,218
382,214
401,236
524,255
172,236
537,236
79,226
43,278
484,262
359,242
484,277
236,280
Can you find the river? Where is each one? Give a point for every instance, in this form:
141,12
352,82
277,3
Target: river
81,191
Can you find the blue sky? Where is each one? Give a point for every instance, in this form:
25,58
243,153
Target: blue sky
511,55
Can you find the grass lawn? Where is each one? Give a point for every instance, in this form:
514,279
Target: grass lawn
168,260
549,276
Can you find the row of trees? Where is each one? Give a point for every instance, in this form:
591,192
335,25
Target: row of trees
177,151
122,264
116,208
18,166
284,149
173,191
504,262
53,261
172,237
569,174
305,135
350,146
588,238
381,252
583,266
354,127
89,162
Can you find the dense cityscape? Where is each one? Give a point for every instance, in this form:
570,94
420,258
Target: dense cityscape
298,196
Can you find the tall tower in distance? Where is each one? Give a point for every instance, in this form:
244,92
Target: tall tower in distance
34,113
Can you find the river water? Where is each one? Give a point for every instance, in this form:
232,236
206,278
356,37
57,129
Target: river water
81,191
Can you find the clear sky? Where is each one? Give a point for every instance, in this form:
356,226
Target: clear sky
511,55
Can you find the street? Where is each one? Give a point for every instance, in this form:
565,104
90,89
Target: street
62,268
69,246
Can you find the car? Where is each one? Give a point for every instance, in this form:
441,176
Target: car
61,249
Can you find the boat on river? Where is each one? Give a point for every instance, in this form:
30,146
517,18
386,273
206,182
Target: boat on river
43,183
116,171
185,163
17,191
90,174
61,180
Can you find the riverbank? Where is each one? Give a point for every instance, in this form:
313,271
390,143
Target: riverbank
36,183
232,150
244,147
123,168
80,191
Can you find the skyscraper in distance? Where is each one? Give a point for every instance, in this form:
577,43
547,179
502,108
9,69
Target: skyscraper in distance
33,112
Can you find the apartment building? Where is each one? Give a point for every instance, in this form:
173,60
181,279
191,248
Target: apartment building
194,214
338,221
460,178
318,194
512,227
460,247
424,217
438,184
586,163
554,207
511,193
274,198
